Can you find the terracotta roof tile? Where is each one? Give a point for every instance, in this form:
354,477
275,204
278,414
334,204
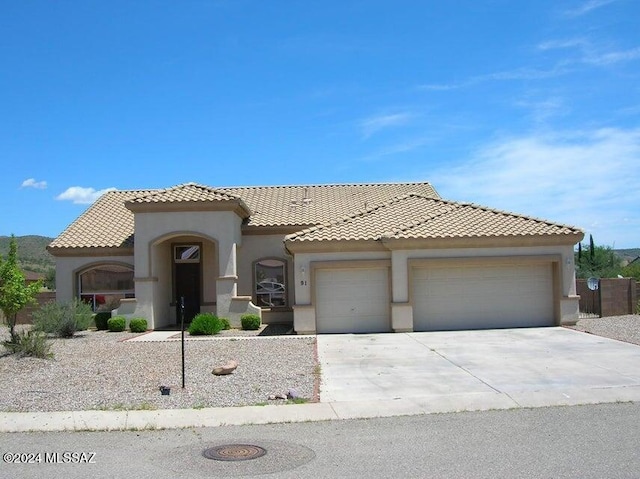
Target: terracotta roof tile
419,217
306,205
188,192
328,212
105,224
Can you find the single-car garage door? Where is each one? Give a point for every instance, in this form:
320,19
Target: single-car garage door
352,300
482,296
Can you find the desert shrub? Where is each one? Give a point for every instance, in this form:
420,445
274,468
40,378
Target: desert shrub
100,320
117,324
30,343
205,324
62,319
250,321
227,325
138,325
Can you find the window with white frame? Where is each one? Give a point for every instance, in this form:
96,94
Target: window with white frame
104,286
270,282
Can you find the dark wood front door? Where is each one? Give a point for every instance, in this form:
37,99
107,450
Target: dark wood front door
187,286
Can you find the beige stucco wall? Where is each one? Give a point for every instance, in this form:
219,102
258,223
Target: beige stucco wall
254,248
219,233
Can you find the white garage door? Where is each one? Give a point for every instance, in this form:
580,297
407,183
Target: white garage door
352,300
481,297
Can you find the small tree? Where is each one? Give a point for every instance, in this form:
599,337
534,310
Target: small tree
632,270
50,279
15,293
600,261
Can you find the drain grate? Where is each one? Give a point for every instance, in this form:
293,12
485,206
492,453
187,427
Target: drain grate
234,452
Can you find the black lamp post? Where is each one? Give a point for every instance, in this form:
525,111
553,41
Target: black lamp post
182,329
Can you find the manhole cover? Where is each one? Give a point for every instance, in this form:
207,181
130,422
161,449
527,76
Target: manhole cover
234,452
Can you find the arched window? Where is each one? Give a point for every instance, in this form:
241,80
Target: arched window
104,286
270,283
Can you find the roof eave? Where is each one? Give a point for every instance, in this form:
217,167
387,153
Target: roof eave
484,241
65,251
238,206
333,246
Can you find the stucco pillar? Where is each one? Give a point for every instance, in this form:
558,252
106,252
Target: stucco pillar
401,309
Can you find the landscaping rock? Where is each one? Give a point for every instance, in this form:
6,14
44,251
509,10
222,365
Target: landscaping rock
226,369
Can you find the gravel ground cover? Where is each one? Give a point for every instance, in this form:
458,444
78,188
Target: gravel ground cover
101,370
623,328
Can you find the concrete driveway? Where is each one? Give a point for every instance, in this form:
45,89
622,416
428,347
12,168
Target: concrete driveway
473,370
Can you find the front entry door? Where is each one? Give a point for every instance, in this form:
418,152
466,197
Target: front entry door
187,286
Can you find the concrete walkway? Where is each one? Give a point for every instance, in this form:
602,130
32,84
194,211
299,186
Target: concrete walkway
385,375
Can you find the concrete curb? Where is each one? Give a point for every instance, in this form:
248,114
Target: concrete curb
274,414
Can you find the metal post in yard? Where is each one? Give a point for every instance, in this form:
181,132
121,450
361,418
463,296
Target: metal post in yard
182,329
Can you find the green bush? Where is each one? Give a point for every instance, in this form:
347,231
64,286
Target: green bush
205,324
117,324
227,325
250,321
30,343
62,319
138,325
100,320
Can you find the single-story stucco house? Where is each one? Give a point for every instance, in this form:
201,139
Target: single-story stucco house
327,258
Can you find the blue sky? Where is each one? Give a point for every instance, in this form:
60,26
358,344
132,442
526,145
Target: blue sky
525,106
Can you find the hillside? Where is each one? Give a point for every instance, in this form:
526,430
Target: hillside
628,254
32,252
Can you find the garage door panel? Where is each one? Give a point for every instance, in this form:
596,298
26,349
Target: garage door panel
352,301
480,297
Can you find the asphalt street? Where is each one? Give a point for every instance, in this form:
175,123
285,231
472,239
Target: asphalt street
594,441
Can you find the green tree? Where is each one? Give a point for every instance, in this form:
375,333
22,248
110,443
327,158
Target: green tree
632,270
599,261
50,279
15,293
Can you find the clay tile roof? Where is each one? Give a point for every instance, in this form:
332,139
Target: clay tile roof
418,217
106,224
188,192
308,205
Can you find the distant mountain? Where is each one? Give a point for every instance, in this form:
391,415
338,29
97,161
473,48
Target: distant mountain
628,254
32,252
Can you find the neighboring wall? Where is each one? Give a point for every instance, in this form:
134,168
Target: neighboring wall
614,296
24,316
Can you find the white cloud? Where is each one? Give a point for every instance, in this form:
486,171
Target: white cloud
397,149
524,73
372,125
588,7
610,58
32,183
82,196
561,44
585,178
542,110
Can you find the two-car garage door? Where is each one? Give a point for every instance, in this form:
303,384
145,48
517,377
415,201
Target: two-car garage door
481,296
445,295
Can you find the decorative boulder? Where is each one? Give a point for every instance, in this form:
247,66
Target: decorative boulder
226,369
